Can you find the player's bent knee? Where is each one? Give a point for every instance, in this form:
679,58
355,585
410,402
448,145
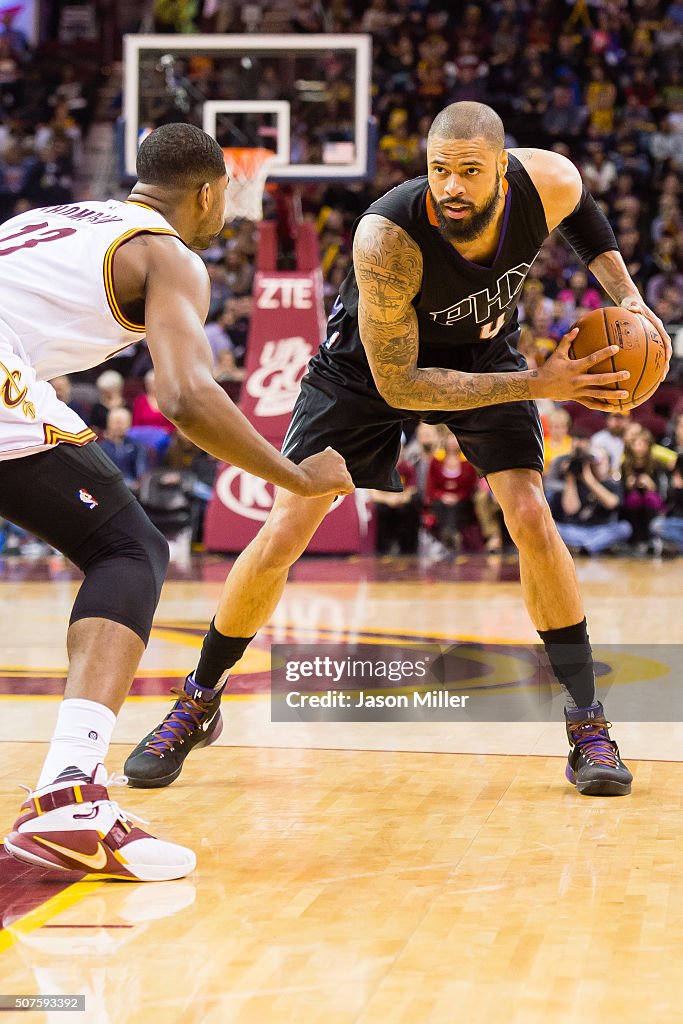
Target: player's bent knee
288,530
529,520
125,564
280,545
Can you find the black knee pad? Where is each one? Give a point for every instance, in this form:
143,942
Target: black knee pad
125,564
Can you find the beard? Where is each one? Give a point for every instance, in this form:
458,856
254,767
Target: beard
475,224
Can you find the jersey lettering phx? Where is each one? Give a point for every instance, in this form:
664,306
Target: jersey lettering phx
483,305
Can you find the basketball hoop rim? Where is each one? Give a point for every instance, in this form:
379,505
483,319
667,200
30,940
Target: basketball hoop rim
247,167
249,163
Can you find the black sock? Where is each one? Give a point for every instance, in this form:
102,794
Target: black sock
569,652
219,653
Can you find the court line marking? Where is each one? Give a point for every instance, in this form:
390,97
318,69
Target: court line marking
55,905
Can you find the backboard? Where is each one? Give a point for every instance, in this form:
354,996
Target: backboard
306,97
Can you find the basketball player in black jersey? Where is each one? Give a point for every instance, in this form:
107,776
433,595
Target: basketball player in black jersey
426,327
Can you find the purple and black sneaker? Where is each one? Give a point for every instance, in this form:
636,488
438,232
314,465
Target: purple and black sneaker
594,764
194,721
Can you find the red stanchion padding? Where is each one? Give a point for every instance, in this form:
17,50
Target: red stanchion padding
307,247
241,503
266,248
286,329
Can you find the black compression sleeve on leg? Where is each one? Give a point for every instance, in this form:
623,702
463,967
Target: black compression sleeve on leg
570,655
219,653
125,563
587,230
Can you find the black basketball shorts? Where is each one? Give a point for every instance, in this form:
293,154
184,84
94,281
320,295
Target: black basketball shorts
355,420
62,495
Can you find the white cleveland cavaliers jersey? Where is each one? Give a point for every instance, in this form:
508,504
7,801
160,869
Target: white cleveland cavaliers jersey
58,312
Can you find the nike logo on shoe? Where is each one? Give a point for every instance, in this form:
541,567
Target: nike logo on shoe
205,725
95,861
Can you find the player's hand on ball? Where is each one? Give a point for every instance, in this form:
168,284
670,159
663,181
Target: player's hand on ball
323,474
569,380
636,304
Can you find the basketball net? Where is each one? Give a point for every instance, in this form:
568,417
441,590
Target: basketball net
248,171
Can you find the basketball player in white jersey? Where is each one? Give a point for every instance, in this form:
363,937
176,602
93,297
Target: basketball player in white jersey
77,284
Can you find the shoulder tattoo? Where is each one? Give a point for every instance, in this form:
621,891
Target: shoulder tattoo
388,266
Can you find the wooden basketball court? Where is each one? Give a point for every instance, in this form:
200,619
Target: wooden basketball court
374,873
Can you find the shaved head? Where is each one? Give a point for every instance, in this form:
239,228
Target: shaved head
468,120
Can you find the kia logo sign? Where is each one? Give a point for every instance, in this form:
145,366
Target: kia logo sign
244,494
248,495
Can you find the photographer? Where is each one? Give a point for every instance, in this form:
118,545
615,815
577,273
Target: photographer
585,509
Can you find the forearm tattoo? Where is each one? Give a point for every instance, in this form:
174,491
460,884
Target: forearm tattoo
388,267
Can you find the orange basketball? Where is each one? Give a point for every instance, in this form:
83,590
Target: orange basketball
641,351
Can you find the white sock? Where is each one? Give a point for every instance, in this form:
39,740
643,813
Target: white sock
80,740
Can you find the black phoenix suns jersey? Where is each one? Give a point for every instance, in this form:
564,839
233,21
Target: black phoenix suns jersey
461,304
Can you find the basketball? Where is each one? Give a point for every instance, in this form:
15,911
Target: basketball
641,351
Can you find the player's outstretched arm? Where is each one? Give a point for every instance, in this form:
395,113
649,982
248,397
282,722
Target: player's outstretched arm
176,302
612,273
569,207
388,266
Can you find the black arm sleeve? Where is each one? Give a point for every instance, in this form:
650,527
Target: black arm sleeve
587,230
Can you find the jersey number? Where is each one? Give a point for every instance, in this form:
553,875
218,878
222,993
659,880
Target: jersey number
490,330
51,235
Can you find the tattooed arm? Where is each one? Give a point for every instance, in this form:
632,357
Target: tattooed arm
388,266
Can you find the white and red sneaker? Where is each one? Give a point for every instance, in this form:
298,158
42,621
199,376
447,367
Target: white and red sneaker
78,828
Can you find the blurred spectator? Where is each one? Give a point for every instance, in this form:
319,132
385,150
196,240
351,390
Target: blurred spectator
18,43
235,321
14,170
239,270
130,456
451,484
611,440
420,451
561,118
667,143
200,469
579,294
146,411
228,372
557,441
220,289
62,386
544,336
220,340
399,143
601,95
49,177
669,527
644,484
398,514
598,171
585,509
69,95
110,396
489,516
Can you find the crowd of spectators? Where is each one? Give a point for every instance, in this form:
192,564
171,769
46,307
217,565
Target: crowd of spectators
46,107
616,490
597,81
